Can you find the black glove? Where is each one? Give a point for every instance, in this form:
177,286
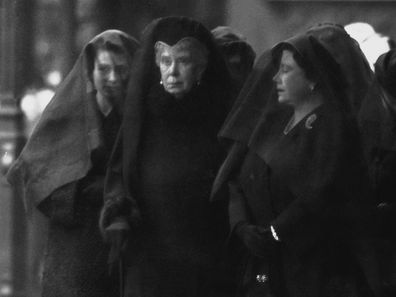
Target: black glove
258,240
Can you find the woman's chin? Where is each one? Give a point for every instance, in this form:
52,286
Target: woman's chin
177,94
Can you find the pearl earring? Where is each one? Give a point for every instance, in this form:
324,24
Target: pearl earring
161,83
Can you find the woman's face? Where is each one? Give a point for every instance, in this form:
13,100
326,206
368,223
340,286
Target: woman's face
110,74
179,71
292,85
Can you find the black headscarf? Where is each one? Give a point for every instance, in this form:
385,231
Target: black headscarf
145,79
59,149
346,51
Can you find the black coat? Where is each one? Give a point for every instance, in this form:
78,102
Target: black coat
181,238
310,185
75,261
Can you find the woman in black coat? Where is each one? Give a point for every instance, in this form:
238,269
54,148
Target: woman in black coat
61,169
299,204
162,168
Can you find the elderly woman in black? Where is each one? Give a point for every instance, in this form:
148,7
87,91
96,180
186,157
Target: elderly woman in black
160,175
300,187
62,167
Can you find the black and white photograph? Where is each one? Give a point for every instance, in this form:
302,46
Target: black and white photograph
197,148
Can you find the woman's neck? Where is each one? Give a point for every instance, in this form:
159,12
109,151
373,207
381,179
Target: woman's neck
104,104
305,107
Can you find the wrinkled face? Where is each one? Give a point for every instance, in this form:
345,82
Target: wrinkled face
181,67
291,82
110,74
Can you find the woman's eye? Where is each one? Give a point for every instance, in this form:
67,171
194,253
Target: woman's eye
166,61
104,69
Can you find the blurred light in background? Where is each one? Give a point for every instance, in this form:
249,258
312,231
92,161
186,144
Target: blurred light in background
5,290
371,43
7,156
53,78
34,102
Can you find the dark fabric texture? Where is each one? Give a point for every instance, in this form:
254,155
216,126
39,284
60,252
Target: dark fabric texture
313,197
377,115
75,263
355,67
161,171
385,71
310,184
377,120
61,171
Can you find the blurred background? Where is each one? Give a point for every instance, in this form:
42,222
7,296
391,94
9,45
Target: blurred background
40,40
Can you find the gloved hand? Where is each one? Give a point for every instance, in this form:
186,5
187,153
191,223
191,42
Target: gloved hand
116,234
258,240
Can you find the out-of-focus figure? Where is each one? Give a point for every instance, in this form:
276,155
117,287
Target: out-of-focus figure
237,52
378,123
61,169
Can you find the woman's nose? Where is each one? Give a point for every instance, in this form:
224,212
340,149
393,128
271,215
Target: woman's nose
173,69
112,76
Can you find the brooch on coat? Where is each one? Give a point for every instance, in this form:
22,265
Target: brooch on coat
309,121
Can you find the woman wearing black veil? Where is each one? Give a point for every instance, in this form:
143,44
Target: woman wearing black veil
62,167
298,195
165,160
